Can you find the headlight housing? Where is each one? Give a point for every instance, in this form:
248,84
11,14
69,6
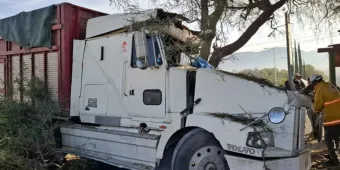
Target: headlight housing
277,115
260,139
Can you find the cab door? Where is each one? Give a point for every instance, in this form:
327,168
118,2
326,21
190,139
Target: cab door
145,88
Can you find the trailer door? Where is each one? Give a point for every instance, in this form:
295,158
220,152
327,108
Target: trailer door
145,89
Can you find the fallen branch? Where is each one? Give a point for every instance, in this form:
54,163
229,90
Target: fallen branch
242,119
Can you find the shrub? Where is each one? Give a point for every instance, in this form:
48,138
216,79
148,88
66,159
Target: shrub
27,130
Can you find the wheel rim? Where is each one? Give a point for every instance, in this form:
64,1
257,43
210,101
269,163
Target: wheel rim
208,158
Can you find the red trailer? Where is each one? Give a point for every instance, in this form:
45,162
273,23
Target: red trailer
53,65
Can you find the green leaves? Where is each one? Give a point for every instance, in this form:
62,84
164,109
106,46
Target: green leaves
26,129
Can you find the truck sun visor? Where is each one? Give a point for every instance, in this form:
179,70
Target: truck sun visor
29,29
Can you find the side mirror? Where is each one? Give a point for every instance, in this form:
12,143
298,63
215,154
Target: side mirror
141,49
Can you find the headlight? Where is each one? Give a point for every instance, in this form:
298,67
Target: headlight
254,139
277,115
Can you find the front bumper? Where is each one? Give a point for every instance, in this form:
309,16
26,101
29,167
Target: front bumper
302,162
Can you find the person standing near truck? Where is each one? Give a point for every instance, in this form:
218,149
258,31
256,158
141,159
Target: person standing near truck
298,78
309,91
327,99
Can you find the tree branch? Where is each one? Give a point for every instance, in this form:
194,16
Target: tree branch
204,14
273,27
221,52
216,15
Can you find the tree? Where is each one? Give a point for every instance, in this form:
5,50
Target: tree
268,73
300,60
304,70
282,75
215,17
296,63
312,70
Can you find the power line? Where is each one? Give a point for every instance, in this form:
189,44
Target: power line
283,41
248,48
298,37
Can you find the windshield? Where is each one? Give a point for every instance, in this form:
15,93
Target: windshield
174,48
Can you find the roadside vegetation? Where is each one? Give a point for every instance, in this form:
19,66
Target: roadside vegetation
27,128
282,74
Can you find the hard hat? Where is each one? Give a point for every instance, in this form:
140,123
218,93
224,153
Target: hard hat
315,78
297,75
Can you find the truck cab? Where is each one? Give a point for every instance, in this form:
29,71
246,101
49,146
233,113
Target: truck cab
137,108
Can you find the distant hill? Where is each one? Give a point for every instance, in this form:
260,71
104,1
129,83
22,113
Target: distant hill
265,59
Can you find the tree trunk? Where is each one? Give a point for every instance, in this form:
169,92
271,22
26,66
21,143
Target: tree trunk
300,60
296,61
205,49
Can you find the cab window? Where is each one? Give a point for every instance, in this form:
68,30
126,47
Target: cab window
154,52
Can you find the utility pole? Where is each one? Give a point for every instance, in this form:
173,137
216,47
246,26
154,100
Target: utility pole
289,47
275,67
304,69
275,74
296,62
300,59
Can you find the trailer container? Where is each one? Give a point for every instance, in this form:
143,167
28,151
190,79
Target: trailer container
53,65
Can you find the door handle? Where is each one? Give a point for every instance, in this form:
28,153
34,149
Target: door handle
132,92
87,108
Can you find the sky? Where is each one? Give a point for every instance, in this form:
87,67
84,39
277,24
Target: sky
259,41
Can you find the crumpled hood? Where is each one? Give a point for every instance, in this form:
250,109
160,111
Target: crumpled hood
224,95
223,92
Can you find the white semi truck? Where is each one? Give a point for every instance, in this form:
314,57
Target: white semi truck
134,109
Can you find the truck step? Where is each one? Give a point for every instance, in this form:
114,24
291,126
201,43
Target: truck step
107,158
116,147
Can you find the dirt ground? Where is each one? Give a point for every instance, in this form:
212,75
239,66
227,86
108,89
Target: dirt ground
318,150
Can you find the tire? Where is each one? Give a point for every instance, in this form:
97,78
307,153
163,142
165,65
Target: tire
199,149
165,163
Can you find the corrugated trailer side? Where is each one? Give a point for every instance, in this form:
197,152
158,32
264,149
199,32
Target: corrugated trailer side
54,65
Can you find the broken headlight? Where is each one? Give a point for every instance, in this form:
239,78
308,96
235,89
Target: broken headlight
260,139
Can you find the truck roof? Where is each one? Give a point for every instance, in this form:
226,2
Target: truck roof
109,23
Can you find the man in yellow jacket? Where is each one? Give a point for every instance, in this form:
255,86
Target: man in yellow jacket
327,99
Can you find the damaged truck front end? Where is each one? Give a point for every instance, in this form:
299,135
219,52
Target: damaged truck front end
258,124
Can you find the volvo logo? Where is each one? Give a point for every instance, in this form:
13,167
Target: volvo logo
241,149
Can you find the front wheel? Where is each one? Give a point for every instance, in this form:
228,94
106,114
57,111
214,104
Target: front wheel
199,150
